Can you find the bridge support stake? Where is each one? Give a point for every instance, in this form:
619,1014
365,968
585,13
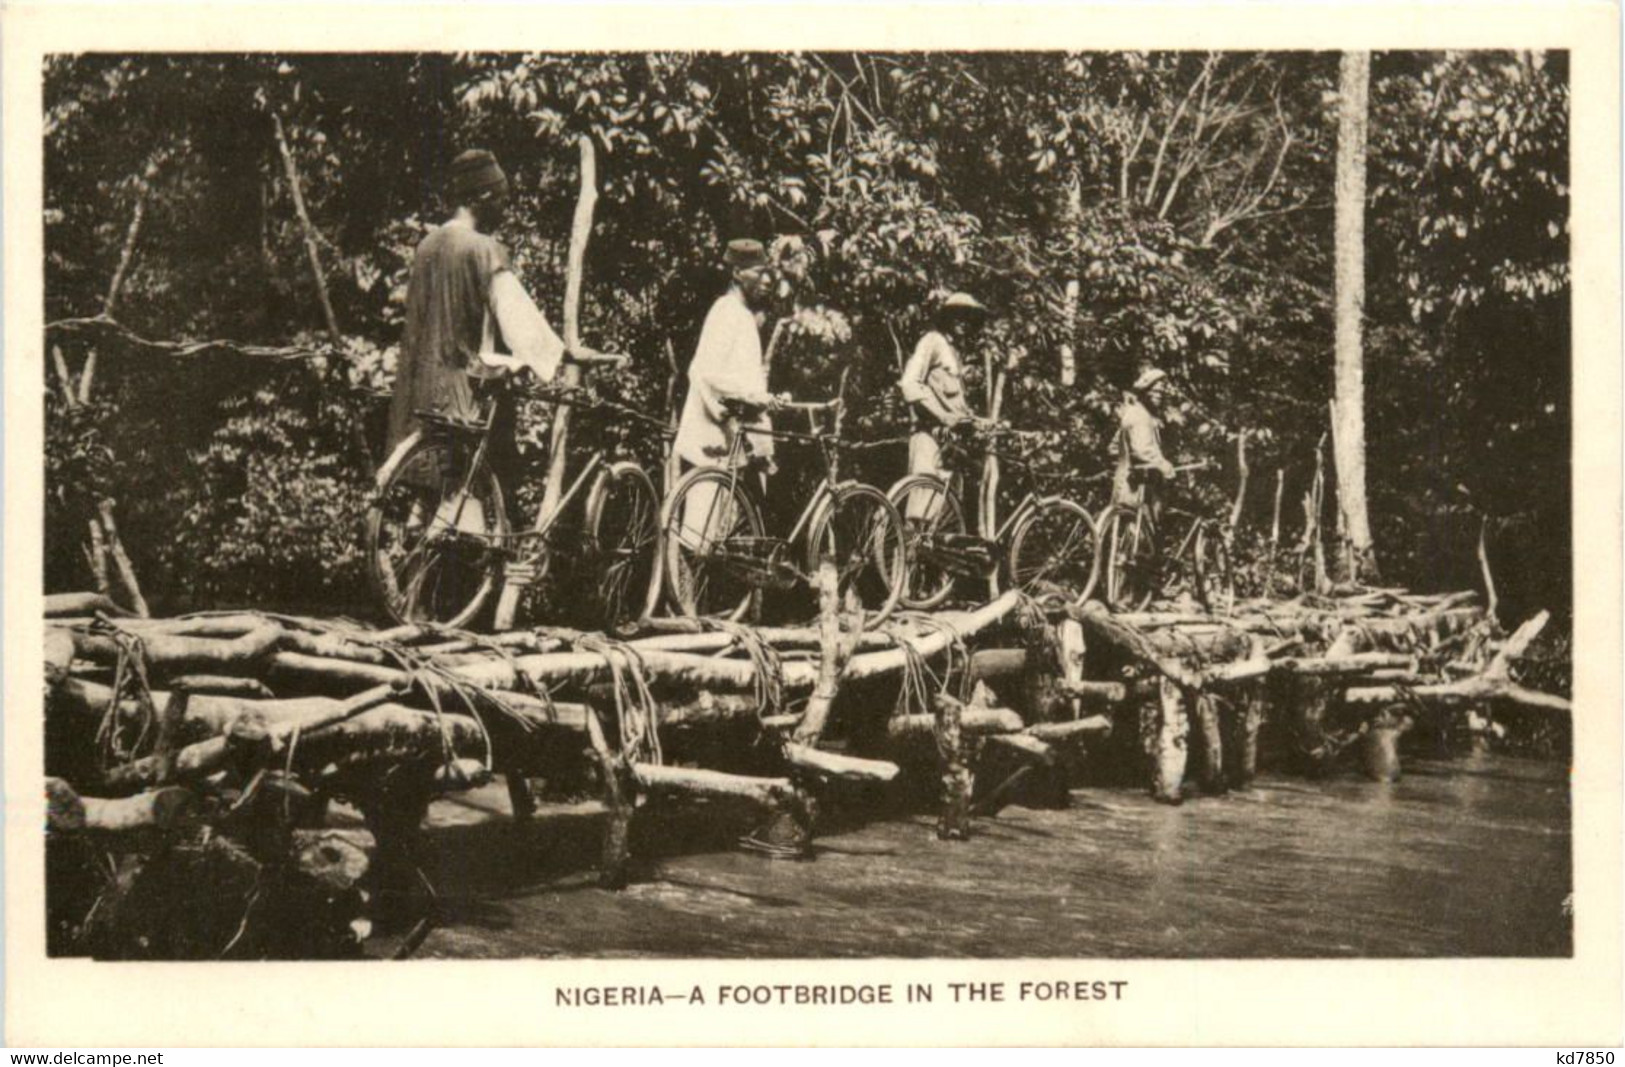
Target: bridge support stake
1246,716
620,796
957,782
1380,747
1169,734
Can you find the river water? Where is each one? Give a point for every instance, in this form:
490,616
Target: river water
1470,857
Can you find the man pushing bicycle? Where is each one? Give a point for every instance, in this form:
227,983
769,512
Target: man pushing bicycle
1142,470
462,297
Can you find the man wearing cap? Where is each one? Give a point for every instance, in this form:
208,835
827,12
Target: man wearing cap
727,371
1141,466
934,388
462,296
727,365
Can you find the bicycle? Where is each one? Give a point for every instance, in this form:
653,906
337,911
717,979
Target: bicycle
1046,541
439,541
718,558
1136,571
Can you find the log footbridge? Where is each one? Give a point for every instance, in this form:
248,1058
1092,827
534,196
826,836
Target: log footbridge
236,728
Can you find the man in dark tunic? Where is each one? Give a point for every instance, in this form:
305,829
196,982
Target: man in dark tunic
461,297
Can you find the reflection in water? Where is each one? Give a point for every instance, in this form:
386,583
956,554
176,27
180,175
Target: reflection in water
1465,858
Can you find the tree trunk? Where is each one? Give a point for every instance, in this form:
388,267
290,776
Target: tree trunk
1350,283
1069,308
308,229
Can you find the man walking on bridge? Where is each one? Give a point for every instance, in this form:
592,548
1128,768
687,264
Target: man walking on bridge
462,297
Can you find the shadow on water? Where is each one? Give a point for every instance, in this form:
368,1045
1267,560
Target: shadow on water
1457,859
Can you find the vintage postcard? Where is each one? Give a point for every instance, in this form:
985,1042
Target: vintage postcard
811,525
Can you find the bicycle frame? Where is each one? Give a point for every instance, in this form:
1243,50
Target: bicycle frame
594,463
986,528
735,462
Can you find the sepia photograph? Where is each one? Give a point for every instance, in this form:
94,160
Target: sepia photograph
876,504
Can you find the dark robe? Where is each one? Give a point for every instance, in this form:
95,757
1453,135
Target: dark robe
446,304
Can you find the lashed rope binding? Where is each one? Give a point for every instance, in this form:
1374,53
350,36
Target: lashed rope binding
129,680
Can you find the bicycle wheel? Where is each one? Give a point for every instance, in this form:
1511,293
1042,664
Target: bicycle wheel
622,528
1215,583
713,534
931,513
434,534
861,529
1129,557
1055,544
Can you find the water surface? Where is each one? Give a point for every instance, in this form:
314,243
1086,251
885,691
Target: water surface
1461,858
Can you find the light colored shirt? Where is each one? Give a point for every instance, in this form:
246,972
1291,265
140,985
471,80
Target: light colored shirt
1141,432
934,371
727,366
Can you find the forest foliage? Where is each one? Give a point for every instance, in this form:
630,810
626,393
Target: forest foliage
1115,210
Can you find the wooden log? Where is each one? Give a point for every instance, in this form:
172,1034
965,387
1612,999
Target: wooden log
958,624
705,672
988,663
167,809
1060,732
223,685
382,733
1405,678
1500,665
1256,665
1101,692
273,739
58,656
974,722
1465,691
58,605
1097,620
780,638
345,677
833,765
695,781
207,714
711,708
64,811
1026,746
1352,663
168,655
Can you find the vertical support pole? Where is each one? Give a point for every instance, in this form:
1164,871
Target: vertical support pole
954,822
1248,718
570,375
1380,747
619,797
1207,717
1170,742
